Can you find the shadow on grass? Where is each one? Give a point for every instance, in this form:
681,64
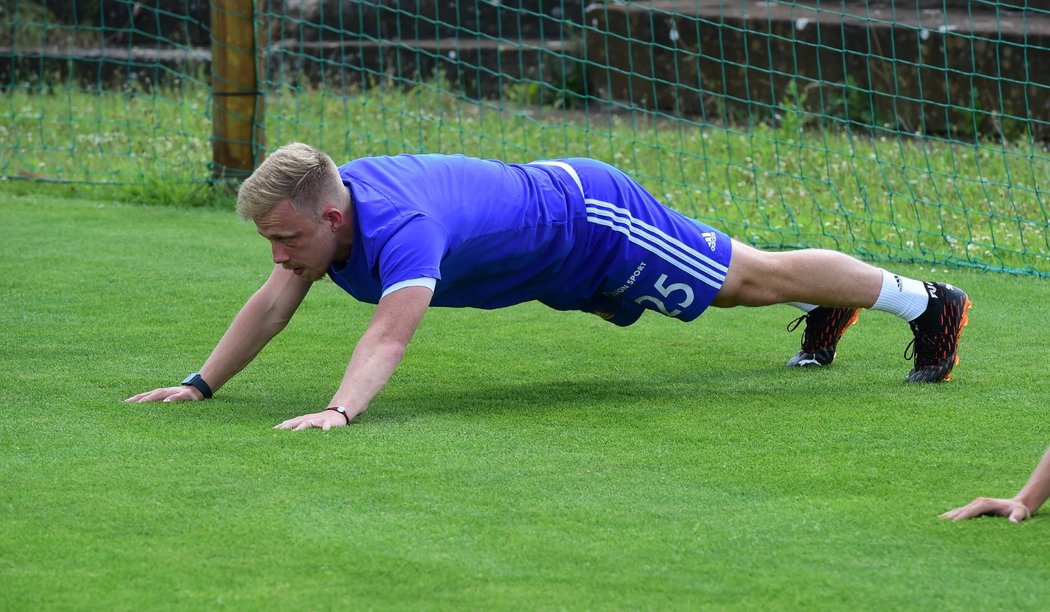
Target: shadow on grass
414,400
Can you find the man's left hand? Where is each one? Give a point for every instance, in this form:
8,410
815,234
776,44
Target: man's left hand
323,420
1012,509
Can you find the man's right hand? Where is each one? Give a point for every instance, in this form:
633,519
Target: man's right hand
182,393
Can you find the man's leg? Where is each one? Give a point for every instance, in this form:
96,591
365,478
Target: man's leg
835,281
811,276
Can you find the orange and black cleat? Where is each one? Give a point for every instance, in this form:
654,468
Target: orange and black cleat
824,329
937,332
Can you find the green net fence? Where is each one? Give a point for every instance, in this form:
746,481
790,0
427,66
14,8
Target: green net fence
912,131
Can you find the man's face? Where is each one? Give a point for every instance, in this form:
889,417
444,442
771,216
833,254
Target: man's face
303,242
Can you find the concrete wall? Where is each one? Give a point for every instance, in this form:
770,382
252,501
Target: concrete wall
929,70
975,67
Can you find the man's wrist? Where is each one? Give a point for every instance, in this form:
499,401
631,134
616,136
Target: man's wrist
194,380
1028,504
341,410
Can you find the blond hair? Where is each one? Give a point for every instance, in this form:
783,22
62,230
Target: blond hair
296,172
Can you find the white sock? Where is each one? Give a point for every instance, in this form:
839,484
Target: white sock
904,297
802,306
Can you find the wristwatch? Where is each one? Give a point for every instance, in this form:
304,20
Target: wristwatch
194,380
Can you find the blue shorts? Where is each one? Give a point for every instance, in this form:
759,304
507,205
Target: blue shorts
656,258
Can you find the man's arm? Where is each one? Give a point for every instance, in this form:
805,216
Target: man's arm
376,356
1023,506
263,316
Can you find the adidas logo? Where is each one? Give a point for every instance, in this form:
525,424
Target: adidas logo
711,239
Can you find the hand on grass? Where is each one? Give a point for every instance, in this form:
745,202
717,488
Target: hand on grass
986,506
182,393
324,420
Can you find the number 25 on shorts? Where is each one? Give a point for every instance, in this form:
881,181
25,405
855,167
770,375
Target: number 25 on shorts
666,291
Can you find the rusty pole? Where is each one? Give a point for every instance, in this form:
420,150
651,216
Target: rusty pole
238,135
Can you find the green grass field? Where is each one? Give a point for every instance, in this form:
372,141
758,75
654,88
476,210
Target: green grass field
522,459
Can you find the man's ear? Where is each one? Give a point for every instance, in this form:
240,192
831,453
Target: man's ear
334,217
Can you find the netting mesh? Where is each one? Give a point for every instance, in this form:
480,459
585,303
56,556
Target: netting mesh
908,131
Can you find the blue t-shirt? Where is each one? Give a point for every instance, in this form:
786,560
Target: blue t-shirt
493,234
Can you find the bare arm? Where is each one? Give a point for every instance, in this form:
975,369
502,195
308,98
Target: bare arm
376,356
1037,489
263,316
1021,507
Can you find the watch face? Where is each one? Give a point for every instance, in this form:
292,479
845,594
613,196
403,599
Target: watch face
189,379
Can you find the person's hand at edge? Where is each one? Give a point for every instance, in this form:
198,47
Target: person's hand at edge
1027,501
1013,509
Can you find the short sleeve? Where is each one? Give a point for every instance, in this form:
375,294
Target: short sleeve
411,248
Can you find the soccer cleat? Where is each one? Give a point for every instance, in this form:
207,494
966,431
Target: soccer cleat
937,331
824,329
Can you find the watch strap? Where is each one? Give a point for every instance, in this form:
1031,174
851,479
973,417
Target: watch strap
194,380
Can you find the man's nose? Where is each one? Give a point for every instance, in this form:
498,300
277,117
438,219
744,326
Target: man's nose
280,256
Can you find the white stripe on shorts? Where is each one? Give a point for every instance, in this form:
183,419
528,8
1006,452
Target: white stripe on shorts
657,242
611,210
655,251
647,236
